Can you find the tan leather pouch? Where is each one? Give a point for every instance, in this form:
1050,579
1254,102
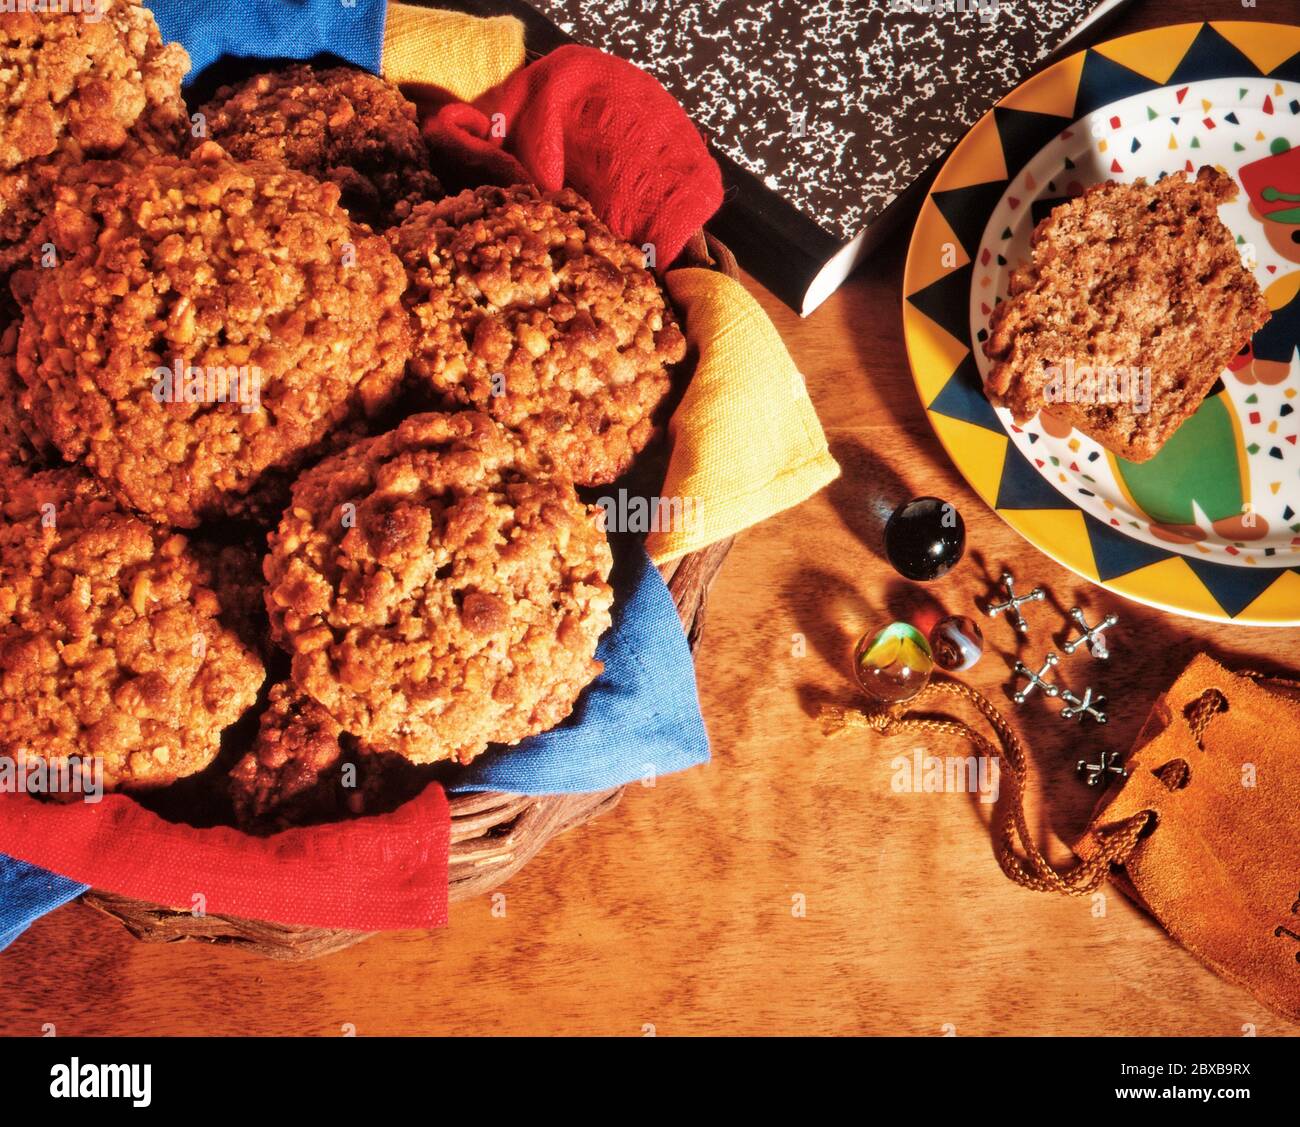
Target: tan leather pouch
1218,766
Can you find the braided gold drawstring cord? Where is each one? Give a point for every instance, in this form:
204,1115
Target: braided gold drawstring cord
1032,870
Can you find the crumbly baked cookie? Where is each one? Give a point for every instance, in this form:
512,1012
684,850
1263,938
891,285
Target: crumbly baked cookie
74,89
339,124
1132,304
110,642
527,307
299,771
21,443
297,746
211,322
436,594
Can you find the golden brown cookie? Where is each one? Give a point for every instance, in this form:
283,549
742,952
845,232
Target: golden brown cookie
21,443
78,88
209,325
297,746
299,771
339,124
436,594
527,307
1132,304
110,642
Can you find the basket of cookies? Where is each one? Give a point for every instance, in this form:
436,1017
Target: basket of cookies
372,427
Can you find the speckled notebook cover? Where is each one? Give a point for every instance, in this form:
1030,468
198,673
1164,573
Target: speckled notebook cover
834,108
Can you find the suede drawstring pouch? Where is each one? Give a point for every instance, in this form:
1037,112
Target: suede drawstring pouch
1216,772
1204,832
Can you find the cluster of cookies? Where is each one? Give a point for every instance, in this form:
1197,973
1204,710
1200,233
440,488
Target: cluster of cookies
264,324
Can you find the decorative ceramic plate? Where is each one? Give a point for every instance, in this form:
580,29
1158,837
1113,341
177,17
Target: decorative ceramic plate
1210,527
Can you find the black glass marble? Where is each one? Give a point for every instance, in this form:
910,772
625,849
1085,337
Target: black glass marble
925,538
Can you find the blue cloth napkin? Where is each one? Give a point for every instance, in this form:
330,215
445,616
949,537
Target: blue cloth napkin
27,893
273,29
641,718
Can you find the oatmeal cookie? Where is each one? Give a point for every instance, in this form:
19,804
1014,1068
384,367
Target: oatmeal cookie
525,306
299,771
1132,304
298,744
21,444
110,643
339,124
436,593
210,324
74,89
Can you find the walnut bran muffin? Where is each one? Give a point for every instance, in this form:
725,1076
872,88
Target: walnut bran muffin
299,771
110,642
248,275
526,307
437,595
338,124
1131,277
75,89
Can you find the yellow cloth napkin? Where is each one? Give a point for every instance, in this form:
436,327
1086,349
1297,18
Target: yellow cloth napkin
745,440
464,55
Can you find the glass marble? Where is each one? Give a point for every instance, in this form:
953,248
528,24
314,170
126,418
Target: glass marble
957,642
925,538
893,664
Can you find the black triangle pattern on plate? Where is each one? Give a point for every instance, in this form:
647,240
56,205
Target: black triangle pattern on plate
947,302
1289,71
962,397
1023,134
1023,487
1104,81
1116,553
1234,588
1211,56
967,211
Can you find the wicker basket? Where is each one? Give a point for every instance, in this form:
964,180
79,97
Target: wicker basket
492,835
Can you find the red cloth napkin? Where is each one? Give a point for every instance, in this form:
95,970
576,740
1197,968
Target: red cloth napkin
598,124
371,874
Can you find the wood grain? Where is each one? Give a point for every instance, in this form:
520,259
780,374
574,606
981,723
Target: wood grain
677,911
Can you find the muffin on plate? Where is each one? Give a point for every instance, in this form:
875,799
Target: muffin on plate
338,124
436,593
1132,304
111,644
525,306
77,89
211,323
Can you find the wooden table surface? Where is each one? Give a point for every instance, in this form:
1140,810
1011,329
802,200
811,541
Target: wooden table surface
679,911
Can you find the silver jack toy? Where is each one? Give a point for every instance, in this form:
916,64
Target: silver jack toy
1036,679
1101,772
1094,636
1011,608
1087,706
